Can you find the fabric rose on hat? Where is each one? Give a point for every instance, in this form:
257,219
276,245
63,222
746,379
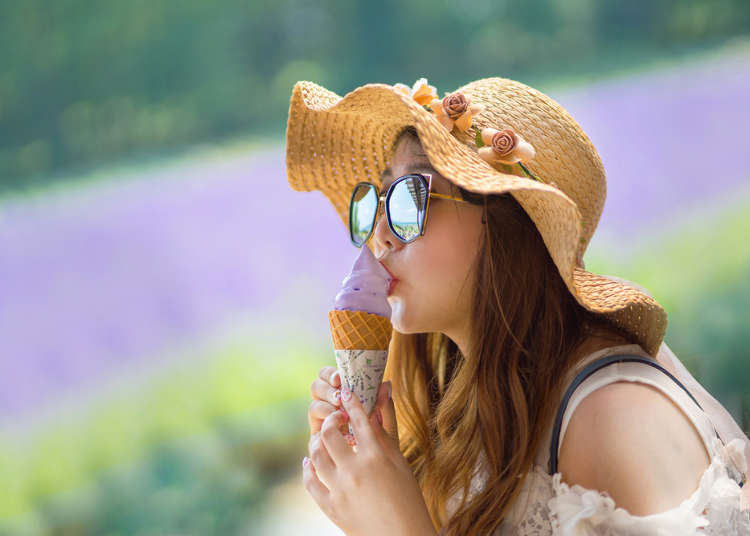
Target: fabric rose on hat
455,109
504,146
421,91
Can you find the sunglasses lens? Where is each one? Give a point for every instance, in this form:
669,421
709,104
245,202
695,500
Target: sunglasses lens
407,207
362,208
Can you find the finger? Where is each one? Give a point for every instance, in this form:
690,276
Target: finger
317,490
359,420
324,465
331,375
335,379
377,421
322,390
334,441
311,443
316,412
385,442
388,412
325,373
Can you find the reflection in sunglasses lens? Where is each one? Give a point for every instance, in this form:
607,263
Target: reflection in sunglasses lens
362,212
406,206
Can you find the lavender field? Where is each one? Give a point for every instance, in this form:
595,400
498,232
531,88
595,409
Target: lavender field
97,281
113,279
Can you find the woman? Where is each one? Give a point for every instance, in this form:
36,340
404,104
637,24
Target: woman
494,317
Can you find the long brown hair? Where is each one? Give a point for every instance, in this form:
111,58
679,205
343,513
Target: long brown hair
498,399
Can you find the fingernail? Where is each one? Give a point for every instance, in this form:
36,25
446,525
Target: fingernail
333,376
305,461
346,394
380,416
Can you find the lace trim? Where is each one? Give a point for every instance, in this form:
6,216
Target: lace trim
547,506
714,506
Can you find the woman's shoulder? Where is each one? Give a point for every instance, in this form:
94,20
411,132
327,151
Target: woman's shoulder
714,507
632,461
637,449
627,442
632,441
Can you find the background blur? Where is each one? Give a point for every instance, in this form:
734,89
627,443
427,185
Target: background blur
163,291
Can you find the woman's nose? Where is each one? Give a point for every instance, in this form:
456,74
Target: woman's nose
384,239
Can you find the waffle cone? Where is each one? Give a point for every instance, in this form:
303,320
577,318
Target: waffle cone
359,330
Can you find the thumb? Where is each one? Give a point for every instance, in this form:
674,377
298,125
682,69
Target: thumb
387,410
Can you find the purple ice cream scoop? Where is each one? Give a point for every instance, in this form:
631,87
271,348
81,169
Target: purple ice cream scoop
366,287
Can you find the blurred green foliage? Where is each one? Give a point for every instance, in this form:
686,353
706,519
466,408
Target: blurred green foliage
83,82
194,451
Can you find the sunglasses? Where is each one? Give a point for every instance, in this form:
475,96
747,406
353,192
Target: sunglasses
407,202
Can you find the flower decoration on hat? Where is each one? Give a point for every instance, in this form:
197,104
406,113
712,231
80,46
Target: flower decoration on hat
456,111
421,91
504,146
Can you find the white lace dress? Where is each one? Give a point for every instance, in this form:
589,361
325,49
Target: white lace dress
546,506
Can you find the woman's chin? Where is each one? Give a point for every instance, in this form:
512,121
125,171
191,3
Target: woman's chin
397,314
399,319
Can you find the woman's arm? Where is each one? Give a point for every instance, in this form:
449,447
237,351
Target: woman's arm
633,442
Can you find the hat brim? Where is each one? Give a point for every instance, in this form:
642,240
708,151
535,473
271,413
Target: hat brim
332,143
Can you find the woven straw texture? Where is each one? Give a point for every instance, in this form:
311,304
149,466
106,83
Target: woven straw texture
333,142
359,330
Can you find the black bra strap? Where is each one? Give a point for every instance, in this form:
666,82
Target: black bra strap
587,371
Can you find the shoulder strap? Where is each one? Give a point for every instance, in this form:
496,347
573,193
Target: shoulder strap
587,371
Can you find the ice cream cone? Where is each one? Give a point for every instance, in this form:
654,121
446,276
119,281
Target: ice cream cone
360,342
361,329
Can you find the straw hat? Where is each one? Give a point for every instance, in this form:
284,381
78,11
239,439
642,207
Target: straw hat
333,142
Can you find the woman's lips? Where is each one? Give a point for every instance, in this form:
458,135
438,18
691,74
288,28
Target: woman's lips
393,281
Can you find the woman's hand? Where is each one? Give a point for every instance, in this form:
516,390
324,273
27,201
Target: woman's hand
325,398
371,491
